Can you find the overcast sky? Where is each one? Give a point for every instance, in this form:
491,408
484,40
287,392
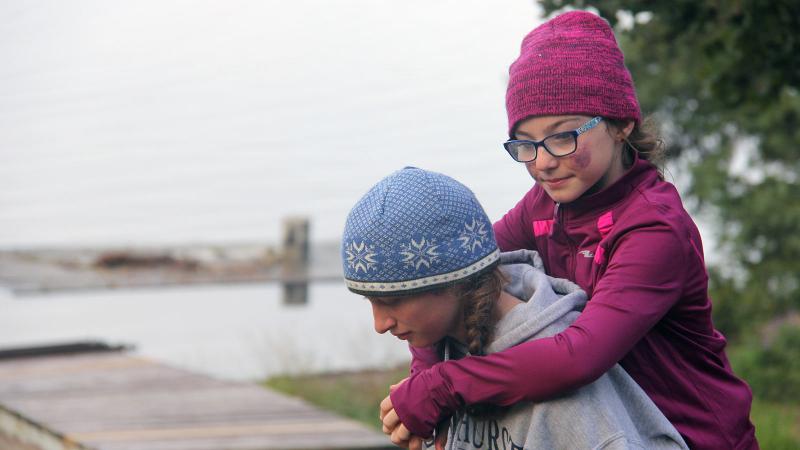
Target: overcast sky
171,121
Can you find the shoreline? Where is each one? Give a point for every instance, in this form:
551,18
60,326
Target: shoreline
44,270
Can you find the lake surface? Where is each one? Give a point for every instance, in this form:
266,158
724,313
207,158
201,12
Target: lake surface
234,332
162,122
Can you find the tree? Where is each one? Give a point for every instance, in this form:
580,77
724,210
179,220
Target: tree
723,79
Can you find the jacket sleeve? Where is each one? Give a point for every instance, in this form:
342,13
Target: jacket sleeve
513,231
642,282
422,358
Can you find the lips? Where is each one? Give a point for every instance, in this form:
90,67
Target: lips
402,336
555,182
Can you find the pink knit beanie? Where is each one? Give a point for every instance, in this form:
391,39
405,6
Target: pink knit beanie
570,64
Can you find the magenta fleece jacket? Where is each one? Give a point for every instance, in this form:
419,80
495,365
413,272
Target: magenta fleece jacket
634,249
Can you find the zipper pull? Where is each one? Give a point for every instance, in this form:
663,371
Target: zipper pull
557,232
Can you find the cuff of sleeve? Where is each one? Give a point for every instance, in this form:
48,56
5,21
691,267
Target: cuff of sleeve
423,401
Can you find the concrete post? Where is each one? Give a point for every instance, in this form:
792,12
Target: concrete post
295,260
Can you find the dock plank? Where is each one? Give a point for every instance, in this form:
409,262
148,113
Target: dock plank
117,401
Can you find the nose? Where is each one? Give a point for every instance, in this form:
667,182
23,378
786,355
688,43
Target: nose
544,160
383,320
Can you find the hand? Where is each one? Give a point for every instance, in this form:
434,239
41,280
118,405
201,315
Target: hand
399,434
386,407
402,437
417,443
441,435
391,425
390,420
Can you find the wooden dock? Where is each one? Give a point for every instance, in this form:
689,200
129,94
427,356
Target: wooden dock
117,401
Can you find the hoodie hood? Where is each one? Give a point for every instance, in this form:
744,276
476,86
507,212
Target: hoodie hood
611,412
550,304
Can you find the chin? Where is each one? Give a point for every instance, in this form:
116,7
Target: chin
418,343
562,197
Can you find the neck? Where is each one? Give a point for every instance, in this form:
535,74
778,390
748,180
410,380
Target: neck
615,171
505,303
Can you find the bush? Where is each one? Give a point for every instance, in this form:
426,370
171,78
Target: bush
772,365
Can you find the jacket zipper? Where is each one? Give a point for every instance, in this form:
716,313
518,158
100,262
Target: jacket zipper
571,264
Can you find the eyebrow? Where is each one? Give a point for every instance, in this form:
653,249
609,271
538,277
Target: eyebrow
549,129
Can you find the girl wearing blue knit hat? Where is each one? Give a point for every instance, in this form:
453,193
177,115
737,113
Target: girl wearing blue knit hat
420,248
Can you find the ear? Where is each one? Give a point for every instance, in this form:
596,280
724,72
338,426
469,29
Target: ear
625,131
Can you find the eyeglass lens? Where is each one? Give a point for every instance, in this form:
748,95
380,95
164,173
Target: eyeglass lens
560,144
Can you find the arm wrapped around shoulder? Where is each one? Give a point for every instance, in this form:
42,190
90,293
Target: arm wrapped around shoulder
644,279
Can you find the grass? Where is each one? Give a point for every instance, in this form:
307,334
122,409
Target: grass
351,394
772,374
358,394
777,425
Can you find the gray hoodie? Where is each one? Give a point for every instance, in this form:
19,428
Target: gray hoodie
613,412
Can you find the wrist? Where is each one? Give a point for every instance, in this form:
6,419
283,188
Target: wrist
423,401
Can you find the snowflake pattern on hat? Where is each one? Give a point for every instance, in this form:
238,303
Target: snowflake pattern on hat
474,235
415,230
418,254
360,256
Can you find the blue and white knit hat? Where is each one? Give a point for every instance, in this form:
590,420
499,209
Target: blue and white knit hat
414,231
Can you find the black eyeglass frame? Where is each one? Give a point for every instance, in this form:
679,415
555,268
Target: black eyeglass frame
514,153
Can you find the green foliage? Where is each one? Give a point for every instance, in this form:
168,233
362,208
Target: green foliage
772,368
724,80
776,425
770,362
353,394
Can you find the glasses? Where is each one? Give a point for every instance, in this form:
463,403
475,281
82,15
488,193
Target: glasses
558,145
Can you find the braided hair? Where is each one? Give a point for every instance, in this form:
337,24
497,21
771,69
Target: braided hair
479,295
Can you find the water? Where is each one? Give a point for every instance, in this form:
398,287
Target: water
171,122
234,332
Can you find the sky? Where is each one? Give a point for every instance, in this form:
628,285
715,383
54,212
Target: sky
171,121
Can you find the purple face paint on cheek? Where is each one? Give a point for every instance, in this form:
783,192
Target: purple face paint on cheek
581,158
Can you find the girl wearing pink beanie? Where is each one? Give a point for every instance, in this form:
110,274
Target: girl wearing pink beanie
599,214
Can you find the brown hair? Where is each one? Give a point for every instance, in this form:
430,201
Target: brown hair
644,140
479,295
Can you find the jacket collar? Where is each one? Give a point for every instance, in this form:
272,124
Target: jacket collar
599,202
